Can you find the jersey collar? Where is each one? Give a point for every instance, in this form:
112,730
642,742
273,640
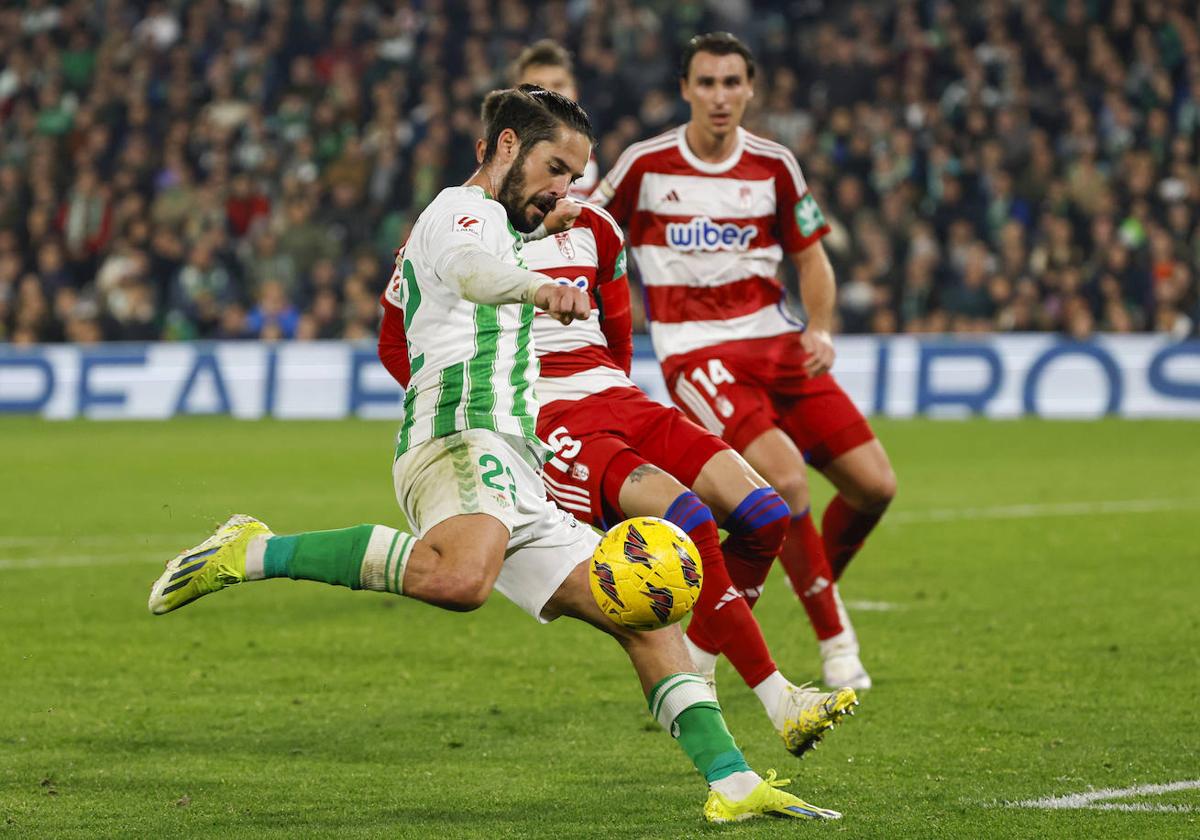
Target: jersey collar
711,168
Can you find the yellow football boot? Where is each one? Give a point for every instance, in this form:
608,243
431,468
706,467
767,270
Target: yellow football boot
766,800
216,563
806,714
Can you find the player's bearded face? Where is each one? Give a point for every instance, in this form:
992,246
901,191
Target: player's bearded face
539,177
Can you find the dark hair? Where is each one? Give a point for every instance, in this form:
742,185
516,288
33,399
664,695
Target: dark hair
534,113
544,53
716,43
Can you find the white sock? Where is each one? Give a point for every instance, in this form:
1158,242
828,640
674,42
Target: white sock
770,691
840,645
256,549
737,786
705,662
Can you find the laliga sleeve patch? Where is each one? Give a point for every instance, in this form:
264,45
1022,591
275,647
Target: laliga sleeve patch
809,217
466,223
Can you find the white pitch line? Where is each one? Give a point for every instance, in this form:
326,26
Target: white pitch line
875,606
1095,799
92,539
81,561
909,517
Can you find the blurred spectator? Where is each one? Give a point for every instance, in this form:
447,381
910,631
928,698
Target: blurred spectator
247,169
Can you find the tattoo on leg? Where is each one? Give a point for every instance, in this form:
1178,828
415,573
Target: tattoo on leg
642,472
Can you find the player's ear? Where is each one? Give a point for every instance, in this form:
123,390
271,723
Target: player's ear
480,147
508,144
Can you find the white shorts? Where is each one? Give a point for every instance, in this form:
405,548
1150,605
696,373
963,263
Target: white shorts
477,471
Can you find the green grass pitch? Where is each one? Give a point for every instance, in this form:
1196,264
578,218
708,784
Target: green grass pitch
1041,641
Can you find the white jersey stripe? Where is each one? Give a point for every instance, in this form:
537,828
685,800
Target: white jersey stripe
576,386
637,150
696,195
566,490
686,336
662,266
692,399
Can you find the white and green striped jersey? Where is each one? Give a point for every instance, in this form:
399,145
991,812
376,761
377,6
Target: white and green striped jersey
473,365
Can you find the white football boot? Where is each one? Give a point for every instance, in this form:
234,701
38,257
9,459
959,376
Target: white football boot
839,654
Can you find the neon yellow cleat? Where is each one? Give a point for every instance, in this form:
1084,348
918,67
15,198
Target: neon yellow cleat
216,563
766,800
807,714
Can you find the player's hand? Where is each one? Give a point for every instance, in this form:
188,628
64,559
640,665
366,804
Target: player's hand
565,303
564,214
819,346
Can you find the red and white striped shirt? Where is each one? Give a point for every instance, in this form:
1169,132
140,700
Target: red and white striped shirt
708,237
584,357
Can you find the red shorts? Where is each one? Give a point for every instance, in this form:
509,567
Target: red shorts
599,440
741,389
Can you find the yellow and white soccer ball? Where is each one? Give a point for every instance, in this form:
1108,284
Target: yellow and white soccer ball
646,573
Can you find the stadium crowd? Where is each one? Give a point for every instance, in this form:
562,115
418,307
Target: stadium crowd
245,168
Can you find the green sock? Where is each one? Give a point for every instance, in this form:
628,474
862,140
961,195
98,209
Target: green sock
687,708
363,557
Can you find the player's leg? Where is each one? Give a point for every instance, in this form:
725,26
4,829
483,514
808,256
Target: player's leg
776,457
454,566
686,707
733,402
755,517
825,423
866,485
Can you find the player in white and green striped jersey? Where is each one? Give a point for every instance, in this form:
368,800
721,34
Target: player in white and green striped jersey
467,457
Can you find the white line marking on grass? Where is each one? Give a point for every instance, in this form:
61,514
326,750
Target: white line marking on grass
1094,800
81,561
92,539
909,517
875,606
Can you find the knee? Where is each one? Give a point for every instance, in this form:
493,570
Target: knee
460,593
759,525
792,487
877,491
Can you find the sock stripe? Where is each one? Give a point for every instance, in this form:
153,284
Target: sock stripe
388,563
401,562
684,681
761,507
688,512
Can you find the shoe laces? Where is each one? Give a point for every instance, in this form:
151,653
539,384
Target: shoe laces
774,782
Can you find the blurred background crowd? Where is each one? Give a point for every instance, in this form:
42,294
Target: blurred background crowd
245,168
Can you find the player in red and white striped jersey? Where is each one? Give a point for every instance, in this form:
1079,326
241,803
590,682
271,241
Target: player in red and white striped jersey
619,454
711,210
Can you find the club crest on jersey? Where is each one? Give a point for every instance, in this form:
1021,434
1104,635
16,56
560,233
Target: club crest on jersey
467,224
703,234
563,241
691,575
580,472
661,601
635,547
608,584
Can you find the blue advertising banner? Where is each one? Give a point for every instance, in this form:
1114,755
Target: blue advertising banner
900,376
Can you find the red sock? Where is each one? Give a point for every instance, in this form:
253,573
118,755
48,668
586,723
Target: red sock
803,558
721,620
756,532
844,529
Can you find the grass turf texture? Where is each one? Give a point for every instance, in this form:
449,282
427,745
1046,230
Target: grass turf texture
1028,657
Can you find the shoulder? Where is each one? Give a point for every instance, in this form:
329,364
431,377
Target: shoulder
464,210
600,221
773,154
643,153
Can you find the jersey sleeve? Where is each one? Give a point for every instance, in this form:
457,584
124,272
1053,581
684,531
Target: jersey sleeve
618,190
612,289
465,223
797,215
393,342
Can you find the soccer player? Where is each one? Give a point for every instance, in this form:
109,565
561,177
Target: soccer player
710,209
619,454
467,453
547,64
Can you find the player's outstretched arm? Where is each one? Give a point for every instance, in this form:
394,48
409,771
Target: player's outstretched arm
481,278
818,290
